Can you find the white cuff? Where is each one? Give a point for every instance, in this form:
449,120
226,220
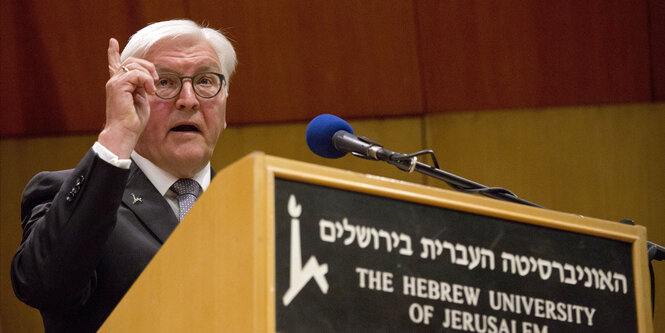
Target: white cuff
110,157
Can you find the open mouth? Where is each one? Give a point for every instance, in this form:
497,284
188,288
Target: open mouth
185,128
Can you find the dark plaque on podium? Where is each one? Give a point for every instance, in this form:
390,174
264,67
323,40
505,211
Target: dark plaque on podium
354,262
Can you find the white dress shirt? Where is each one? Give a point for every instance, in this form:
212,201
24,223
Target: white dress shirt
161,179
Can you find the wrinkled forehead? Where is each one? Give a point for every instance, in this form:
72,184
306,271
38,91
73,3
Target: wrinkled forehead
183,51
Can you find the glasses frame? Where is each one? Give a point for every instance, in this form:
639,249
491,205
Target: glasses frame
191,78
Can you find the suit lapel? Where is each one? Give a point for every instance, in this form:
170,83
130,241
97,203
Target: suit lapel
142,198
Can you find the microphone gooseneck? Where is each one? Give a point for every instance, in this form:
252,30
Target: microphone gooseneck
331,137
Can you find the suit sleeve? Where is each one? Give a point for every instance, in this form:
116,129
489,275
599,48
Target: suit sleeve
66,216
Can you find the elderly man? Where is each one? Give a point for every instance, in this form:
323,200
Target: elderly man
90,231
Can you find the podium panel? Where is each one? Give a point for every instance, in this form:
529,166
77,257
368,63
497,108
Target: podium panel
281,246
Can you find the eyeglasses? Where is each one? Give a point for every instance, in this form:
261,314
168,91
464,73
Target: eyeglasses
206,85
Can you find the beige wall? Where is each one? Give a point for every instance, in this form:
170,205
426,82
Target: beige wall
604,162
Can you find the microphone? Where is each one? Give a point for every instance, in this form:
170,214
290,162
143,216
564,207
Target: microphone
331,137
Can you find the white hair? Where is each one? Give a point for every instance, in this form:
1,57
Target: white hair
140,43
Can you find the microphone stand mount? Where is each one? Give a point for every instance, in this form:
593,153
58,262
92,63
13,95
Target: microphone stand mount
410,163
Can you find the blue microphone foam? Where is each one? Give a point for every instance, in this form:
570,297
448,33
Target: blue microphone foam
320,133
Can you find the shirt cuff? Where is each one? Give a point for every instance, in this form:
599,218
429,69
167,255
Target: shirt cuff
110,157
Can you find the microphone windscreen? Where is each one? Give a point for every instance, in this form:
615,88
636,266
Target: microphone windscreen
320,133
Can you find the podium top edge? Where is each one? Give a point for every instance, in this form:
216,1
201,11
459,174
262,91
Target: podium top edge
280,167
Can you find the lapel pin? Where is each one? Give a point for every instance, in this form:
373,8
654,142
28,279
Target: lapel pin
137,200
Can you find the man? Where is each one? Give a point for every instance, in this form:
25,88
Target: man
90,231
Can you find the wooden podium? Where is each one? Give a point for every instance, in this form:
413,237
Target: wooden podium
279,245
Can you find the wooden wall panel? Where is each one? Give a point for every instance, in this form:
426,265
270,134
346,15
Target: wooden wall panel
356,59
487,54
298,60
657,43
54,62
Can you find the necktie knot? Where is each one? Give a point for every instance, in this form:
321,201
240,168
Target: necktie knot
187,191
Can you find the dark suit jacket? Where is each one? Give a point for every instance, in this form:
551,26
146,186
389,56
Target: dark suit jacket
85,240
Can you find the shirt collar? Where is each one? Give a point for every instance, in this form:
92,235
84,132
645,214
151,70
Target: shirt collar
163,180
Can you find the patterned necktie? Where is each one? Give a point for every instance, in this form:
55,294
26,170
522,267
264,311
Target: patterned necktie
188,190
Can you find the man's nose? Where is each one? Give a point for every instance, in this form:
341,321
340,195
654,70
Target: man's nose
187,99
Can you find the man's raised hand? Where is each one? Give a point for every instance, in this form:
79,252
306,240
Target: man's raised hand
127,105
